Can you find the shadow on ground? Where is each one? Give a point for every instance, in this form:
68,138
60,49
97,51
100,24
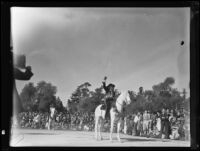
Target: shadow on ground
139,140
40,134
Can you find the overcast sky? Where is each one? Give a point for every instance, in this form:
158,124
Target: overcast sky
133,47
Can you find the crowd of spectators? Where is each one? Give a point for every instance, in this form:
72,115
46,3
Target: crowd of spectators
162,124
63,120
169,124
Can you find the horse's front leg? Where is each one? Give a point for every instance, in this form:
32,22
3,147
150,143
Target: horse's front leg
99,127
111,129
118,131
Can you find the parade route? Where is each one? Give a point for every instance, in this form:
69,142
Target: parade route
67,138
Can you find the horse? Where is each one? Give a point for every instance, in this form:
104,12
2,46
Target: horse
122,100
51,118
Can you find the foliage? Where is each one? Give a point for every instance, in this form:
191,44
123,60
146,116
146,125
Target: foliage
59,105
89,104
28,95
82,99
46,95
38,98
80,94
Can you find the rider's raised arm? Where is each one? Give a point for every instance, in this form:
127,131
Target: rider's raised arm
104,86
114,94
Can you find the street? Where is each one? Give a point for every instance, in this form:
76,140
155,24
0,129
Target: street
35,137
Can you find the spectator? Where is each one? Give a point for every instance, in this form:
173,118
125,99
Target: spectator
135,124
125,125
165,129
136,119
131,124
149,122
158,122
140,125
153,121
145,122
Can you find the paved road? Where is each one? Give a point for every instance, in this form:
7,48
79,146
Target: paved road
33,137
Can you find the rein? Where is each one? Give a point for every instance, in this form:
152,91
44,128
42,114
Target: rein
120,104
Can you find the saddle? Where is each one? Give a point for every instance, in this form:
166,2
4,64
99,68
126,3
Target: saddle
103,107
107,106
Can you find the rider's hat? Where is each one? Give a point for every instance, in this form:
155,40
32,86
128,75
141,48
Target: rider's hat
111,85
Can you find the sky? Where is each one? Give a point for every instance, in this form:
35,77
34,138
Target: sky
133,47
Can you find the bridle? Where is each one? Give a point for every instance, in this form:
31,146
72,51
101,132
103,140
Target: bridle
119,103
122,104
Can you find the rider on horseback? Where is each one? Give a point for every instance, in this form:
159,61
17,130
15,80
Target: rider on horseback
109,98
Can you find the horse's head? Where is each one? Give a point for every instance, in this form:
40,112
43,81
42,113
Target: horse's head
124,98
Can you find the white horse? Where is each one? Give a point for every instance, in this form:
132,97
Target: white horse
51,119
123,99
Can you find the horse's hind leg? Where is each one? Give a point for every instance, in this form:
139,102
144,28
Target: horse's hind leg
118,131
96,127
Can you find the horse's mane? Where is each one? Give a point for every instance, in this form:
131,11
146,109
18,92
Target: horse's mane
123,94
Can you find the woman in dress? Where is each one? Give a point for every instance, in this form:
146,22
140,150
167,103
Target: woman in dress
158,122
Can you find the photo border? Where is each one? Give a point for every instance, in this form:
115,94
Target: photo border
7,67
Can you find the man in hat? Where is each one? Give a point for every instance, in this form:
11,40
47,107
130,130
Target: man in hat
109,99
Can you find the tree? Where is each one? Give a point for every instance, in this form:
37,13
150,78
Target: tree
162,95
43,105
98,94
169,81
28,96
85,105
164,88
59,105
78,95
184,94
88,104
175,93
84,90
149,95
136,106
45,95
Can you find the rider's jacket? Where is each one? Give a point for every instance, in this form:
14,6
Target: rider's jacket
109,93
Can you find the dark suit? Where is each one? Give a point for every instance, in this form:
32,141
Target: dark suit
165,125
109,98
